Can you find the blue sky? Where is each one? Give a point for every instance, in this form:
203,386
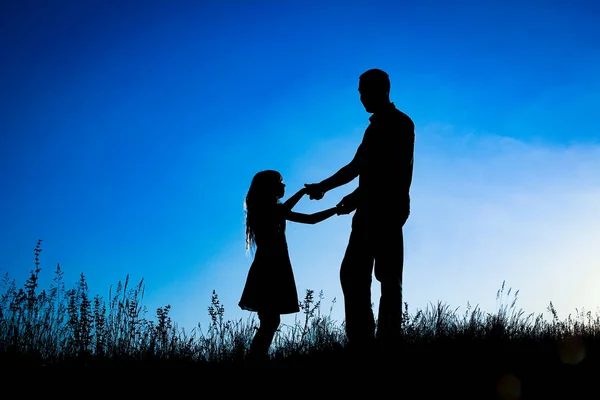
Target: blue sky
130,131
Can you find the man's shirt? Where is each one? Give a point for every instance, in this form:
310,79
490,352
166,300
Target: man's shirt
385,163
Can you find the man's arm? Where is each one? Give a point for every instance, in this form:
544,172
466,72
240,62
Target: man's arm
343,176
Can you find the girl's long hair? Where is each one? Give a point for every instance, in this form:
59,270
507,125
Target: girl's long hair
260,206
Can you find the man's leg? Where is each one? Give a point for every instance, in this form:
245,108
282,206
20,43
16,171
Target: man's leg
389,264
356,276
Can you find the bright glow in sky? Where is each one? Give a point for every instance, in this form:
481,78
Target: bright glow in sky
129,136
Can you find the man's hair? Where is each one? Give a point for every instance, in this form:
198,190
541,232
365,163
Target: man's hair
376,79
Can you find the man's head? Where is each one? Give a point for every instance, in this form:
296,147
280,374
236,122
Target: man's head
374,89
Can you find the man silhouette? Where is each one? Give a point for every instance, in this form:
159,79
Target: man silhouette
384,165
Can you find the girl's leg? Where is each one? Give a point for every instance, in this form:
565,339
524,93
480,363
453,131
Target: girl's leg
261,342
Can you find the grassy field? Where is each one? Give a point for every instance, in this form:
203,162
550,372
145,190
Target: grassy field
506,355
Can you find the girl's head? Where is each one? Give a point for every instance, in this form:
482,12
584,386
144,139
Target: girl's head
266,189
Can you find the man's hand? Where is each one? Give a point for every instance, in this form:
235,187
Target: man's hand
314,191
344,207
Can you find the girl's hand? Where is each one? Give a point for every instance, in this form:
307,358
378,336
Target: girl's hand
343,209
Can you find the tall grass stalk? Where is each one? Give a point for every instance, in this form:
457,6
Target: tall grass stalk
59,325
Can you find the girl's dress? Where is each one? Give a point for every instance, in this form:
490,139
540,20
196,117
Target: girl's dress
270,286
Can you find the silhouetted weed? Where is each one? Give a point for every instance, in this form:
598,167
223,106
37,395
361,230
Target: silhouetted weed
509,354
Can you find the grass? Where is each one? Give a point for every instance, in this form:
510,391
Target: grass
508,354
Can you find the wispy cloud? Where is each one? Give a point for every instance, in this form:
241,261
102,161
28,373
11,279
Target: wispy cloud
495,208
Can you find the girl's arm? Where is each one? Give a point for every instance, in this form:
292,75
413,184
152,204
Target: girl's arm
292,201
310,218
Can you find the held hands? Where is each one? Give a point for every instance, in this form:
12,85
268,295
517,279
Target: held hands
343,207
314,191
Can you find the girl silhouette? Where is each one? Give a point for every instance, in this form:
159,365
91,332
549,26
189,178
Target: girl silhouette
270,288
